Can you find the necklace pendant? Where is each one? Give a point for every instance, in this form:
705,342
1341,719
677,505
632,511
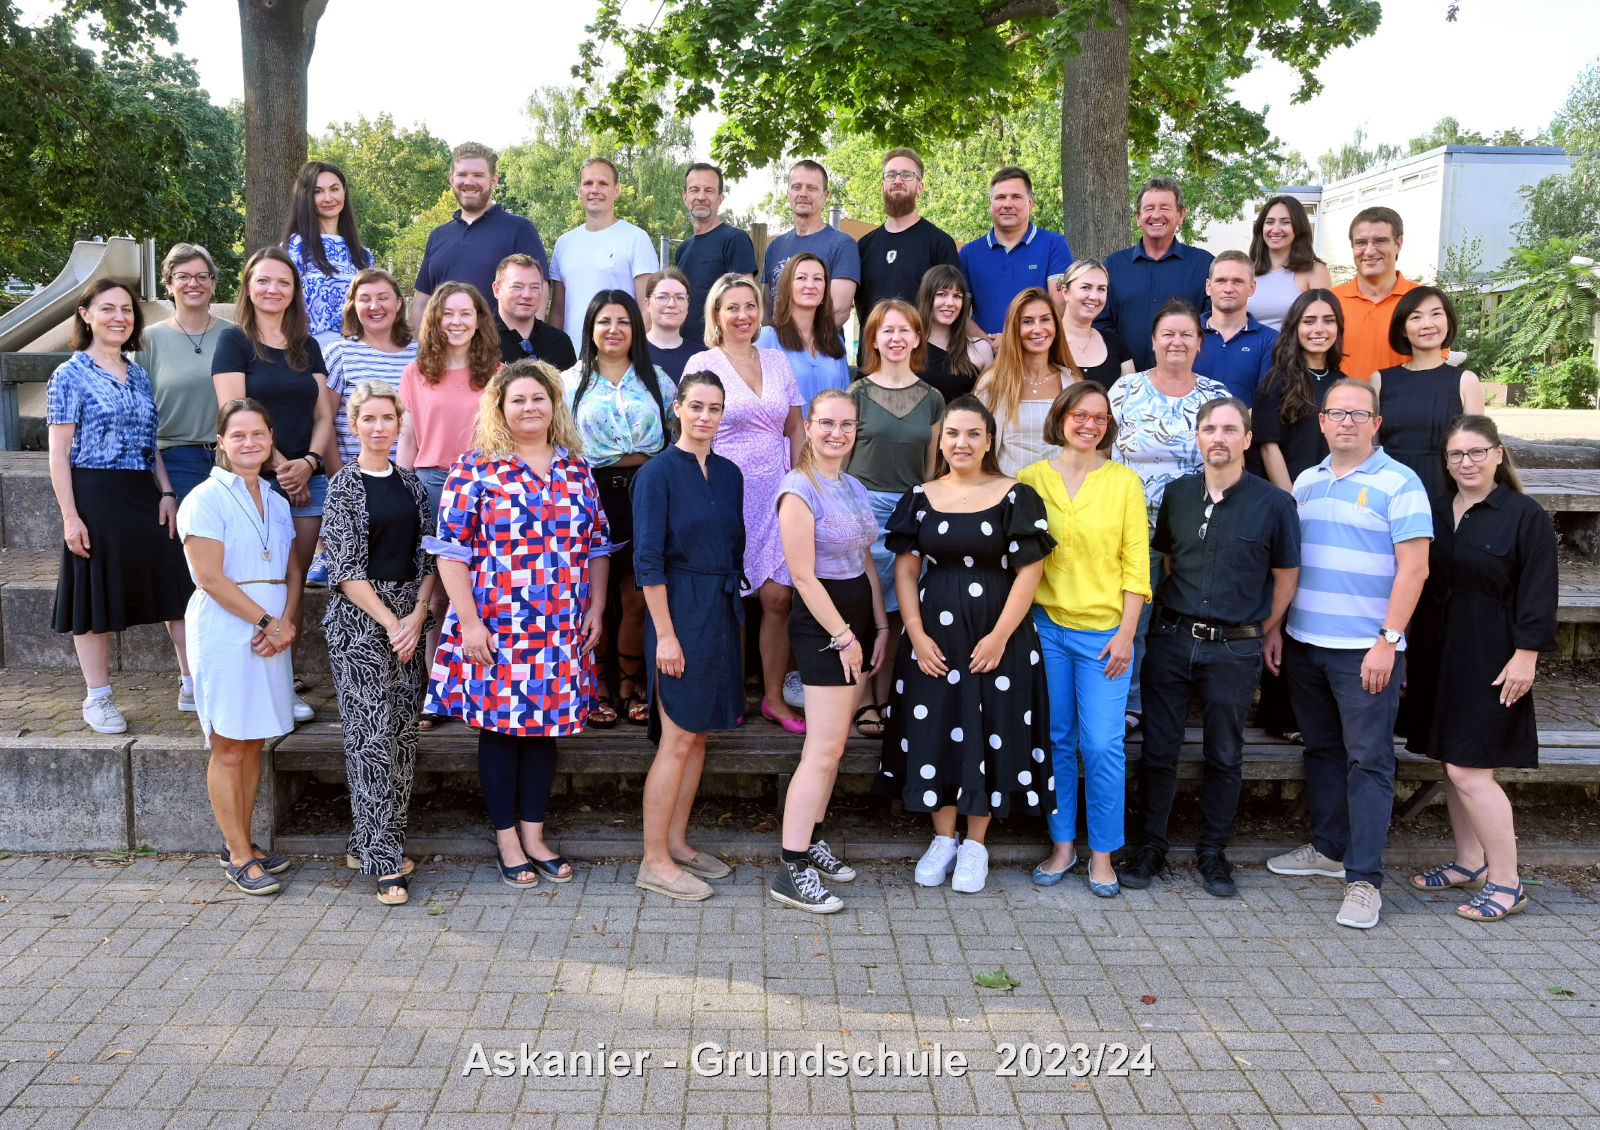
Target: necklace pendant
266,555
197,349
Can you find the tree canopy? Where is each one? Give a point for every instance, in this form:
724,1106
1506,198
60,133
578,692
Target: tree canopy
394,174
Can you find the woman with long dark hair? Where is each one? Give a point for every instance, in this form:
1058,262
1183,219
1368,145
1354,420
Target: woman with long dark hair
1285,263
1305,361
954,360
1490,606
803,327
324,243
618,399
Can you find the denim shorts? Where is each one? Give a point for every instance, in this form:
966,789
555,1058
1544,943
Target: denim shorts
319,492
188,465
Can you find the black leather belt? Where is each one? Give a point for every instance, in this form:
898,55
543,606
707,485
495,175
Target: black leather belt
1211,633
616,478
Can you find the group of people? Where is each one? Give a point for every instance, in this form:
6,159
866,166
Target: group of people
1046,505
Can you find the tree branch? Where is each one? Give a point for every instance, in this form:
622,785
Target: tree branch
1017,10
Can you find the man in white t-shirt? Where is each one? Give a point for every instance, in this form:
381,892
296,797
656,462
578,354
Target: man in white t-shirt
604,254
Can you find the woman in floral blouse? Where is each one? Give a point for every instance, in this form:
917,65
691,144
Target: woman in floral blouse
323,240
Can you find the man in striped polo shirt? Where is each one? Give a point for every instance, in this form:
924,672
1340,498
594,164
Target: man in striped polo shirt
1365,524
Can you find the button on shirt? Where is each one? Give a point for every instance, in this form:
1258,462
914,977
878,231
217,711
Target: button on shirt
997,273
1224,577
1141,285
115,421
461,252
1241,361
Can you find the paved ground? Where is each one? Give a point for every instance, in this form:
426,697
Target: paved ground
1548,423
147,995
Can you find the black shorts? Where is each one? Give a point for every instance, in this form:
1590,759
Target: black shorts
818,663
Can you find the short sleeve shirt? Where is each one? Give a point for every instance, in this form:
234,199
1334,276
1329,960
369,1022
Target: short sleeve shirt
289,394
325,293
893,262
350,362
1241,362
1140,285
892,436
461,252
180,375
836,250
844,523
586,262
704,259
1224,577
617,419
997,274
115,421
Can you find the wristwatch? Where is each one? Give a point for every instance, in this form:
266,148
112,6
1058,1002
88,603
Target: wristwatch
1389,635
266,618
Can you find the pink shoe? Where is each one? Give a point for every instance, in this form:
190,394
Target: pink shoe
793,725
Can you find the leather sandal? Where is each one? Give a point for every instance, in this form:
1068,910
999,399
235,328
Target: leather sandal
1439,878
877,724
394,890
603,713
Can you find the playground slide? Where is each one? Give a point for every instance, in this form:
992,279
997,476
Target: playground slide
117,258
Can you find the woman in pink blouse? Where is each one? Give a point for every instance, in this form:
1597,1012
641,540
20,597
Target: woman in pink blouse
761,433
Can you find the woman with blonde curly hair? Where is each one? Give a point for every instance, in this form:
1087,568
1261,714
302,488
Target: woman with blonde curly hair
522,545
1032,366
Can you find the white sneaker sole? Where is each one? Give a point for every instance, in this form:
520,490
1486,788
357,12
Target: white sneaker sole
1354,925
969,889
1303,871
188,707
927,879
833,907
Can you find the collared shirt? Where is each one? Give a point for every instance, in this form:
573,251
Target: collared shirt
545,343
1225,575
1141,285
1155,432
115,421
617,419
1241,362
1349,526
1102,545
461,252
997,273
1366,328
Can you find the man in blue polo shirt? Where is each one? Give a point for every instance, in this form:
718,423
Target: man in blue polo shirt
469,247
1157,268
1234,348
1365,525
1014,255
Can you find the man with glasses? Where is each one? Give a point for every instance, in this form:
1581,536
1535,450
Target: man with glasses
519,299
1232,547
715,249
1365,525
896,254
1015,255
1369,299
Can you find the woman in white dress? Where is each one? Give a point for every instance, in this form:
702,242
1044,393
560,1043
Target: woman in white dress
240,621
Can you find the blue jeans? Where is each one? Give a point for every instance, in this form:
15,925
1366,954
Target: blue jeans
883,504
319,492
1224,673
188,465
1085,717
1135,696
433,479
1349,753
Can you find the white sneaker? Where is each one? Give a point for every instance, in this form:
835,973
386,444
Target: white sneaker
937,862
972,868
186,700
102,716
1361,905
794,691
302,710
1305,860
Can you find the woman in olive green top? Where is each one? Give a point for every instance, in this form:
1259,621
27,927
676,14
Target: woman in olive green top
896,438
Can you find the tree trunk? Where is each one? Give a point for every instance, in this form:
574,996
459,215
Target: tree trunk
1094,140
277,40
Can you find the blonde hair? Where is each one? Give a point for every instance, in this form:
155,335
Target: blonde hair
806,461
719,289
373,390
491,435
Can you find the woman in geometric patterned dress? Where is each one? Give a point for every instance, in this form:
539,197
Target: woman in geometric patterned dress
522,544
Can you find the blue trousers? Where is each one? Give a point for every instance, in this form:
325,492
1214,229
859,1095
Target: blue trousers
1349,736
1085,718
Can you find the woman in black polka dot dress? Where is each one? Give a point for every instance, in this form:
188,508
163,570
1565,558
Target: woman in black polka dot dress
968,723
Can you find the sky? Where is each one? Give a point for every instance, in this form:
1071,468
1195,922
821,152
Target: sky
1503,64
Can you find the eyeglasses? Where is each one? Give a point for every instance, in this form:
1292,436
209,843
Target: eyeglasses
1337,415
184,278
1207,520
1098,419
848,427
668,299
1476,454
904,176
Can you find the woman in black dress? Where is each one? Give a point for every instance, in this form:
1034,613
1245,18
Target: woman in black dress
688,553
1490,605
955,361
968,725
1420,398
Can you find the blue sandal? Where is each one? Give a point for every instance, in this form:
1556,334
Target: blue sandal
1438,878
271,862
1487,909
552,868
514,876
264,884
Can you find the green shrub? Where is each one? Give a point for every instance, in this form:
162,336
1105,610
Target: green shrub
1564,384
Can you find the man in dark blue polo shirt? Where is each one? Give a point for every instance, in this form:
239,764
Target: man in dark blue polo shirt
1232,544
1157,268
1235,348
469,247
1014,255
715,249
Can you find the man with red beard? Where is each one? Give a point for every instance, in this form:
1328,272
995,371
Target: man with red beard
896,254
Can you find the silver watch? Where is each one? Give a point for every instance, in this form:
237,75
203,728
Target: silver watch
1389,635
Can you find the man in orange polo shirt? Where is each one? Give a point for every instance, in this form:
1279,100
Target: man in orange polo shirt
1369,299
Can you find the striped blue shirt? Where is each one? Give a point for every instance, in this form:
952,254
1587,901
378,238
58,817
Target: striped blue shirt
351,361
1349,526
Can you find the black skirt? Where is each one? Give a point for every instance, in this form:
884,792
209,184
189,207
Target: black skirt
135,573
816,661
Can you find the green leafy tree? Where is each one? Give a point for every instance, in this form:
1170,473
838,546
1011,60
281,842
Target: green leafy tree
405,253
394,174
1547,324
1567,205
784,72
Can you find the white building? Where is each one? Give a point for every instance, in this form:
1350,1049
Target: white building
1446,195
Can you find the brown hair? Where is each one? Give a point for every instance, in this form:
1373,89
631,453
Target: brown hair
83,337
1178,307
1160,184
806,461
1230,257
350,323
227,412
468,150
296,329
1351,382
516,259
943,276
991,458
827,339
909,154
1302,257
483,354
871,361
1505,474
1297,391
1378,214
662,276
1213,404
1066,400
1004,390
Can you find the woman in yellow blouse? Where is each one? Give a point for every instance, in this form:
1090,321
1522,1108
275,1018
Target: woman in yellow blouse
1086,611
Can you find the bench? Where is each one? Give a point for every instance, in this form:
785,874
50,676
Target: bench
1572,499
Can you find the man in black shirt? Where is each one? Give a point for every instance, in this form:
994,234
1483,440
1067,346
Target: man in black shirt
519,294
715,249
1232,546
896,254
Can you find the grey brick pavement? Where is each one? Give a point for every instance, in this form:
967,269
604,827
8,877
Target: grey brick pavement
151,995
